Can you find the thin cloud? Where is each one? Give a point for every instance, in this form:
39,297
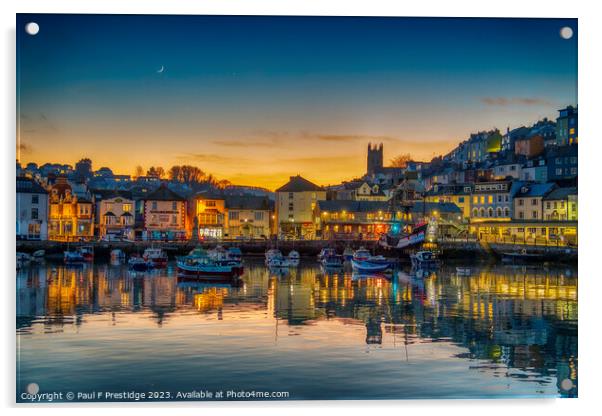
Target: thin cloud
211,158
505,101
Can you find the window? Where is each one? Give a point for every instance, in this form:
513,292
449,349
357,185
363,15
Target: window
548,206
499,198
258,215
521,215
290,195
482,199
490,212
291,207
154,205
209,203
498,212
475,200
233,215
461,200
534,215
34,213
506,198
174,219
35,199
127,208
475,212
573,171
174,206
533,201
490,199
513,167
506,212
521,202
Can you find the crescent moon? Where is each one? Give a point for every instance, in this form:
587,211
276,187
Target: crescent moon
161,69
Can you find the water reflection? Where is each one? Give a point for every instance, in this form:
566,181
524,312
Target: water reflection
501,322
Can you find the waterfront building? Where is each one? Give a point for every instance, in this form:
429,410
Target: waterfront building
353,220
493,200
546,129
360,191
115,216
369,220
530,146
535,170
32,210
507,170
71,214
567,126
248,216
528,201
210,215
458,194
164,215
562,162
561,205
511,136
295,205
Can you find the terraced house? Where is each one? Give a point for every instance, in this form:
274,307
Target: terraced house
71,214
164,215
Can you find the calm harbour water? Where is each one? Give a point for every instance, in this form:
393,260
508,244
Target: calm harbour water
503,331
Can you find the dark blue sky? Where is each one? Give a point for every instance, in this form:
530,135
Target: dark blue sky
415,83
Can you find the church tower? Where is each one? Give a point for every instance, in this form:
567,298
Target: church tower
375,158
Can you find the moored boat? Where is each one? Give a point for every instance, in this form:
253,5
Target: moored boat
87,252
156,256
73,257
368,267
332,260
361,254
206,266
139,264
235,253
463,271
117,255
277,261
348,253
424,259
294,257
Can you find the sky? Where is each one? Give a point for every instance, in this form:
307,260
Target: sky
256,99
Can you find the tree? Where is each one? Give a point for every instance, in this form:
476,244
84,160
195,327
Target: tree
158,171
401,161
187,174
139,171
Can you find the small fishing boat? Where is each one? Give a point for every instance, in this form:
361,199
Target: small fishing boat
294,257
117,255
521,257
235,253
39,254
368,267
73,257
333,260
361,254
463,271
348,253
273,252
23,259
139,264
87,252
156,256
424,259
206,266
277,261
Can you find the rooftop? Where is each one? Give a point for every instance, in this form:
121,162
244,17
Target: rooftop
299,184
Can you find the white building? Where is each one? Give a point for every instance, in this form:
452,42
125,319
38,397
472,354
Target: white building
295,205
32,210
